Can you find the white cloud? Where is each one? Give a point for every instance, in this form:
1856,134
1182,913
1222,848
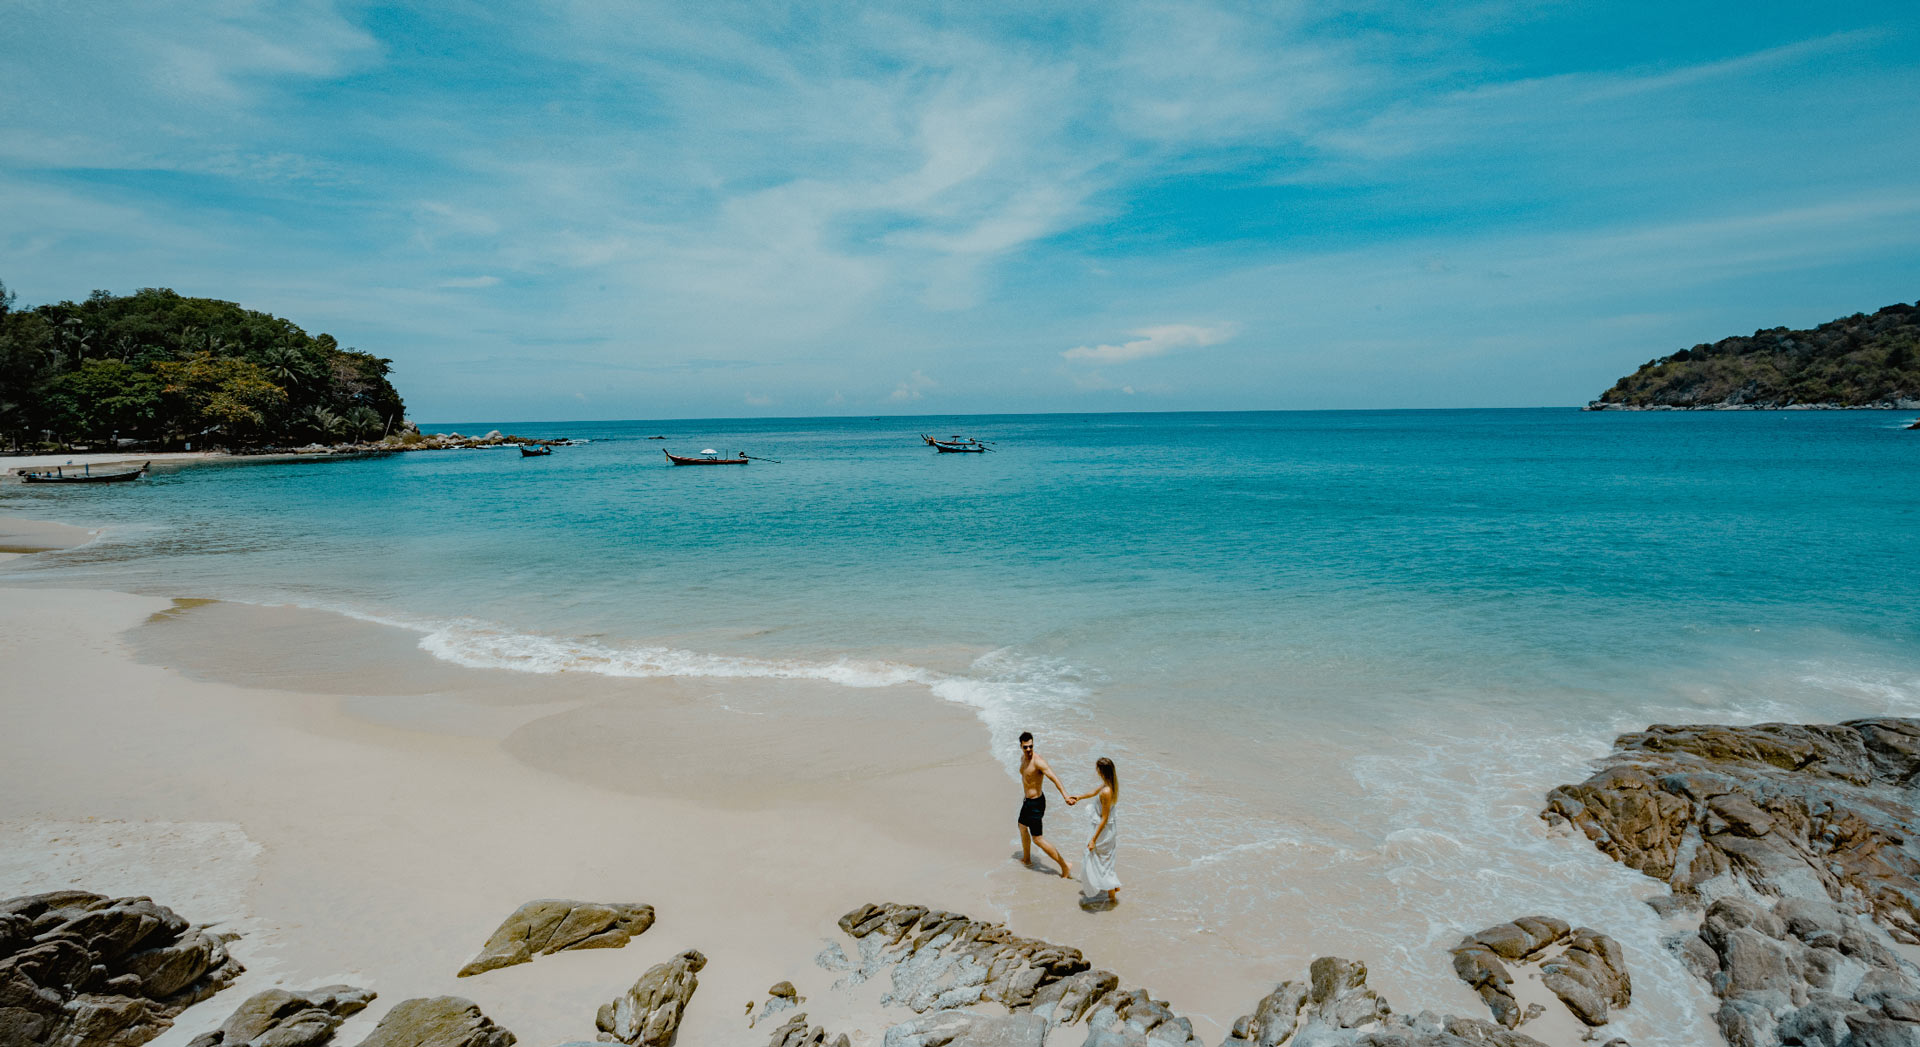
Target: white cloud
756,400
911,387
471,282
1154,341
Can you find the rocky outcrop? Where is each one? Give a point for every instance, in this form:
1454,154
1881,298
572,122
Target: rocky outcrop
84,970
1334,1007
795,1032
439,1021
969,1029
941,960
1798,842
278,1018
550,925
1581,966
943,964
648,1015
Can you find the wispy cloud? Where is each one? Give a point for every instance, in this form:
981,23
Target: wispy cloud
1154,341
911,388
666,194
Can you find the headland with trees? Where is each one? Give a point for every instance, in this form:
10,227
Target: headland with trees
160,370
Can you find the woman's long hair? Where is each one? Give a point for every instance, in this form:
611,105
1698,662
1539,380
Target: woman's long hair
1105,767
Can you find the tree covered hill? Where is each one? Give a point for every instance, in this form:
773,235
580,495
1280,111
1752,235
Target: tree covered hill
1857,361
164,369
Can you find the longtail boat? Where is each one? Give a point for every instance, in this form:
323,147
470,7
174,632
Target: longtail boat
535,452
958,445
85,476
707,457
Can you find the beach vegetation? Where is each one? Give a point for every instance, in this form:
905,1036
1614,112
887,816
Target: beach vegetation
1854,361
161,369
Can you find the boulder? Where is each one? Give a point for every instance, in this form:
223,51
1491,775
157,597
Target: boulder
439,1021
648,1014
550,925
278,1018
79,969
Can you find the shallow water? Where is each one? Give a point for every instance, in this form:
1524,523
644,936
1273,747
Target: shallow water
1338,656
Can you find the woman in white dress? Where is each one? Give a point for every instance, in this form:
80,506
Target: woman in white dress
1097,872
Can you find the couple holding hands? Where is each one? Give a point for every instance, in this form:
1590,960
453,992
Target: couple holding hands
1097,873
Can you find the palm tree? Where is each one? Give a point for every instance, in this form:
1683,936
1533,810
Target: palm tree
291,369
363,422
324,422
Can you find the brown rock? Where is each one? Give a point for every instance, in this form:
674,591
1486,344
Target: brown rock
648,1014
278,1018
550,925
439,1021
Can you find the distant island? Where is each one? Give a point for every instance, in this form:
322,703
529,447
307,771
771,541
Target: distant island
1857,361
159,370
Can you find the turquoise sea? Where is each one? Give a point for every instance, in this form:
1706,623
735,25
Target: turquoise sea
1338,655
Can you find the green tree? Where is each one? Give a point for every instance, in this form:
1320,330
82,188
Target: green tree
228,398
107,397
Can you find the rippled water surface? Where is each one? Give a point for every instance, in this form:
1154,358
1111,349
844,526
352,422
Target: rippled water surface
1340,655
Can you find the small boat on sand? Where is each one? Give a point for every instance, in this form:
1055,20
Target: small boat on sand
85,476
707,457
535,452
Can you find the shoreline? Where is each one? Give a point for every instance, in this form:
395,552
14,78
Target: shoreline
370,824
257,677
280,769
408,843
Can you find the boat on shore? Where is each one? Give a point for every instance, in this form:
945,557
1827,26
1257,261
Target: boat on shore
535,452
85,476
706,457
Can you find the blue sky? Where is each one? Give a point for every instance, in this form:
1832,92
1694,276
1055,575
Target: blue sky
614,210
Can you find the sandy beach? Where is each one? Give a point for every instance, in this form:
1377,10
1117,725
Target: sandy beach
14,464
380,851
361,812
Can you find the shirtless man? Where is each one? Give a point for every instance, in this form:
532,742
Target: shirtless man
1034,775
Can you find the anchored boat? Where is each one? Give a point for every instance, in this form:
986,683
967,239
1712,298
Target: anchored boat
958,445
535,452
707,457
85,476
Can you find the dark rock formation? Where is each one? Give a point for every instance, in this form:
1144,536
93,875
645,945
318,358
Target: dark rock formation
551,924
648,1015
83,970
1581,966
1799,842
278,1018
439,1021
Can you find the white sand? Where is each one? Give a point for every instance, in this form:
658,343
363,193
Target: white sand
363,813
384,856
18,462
